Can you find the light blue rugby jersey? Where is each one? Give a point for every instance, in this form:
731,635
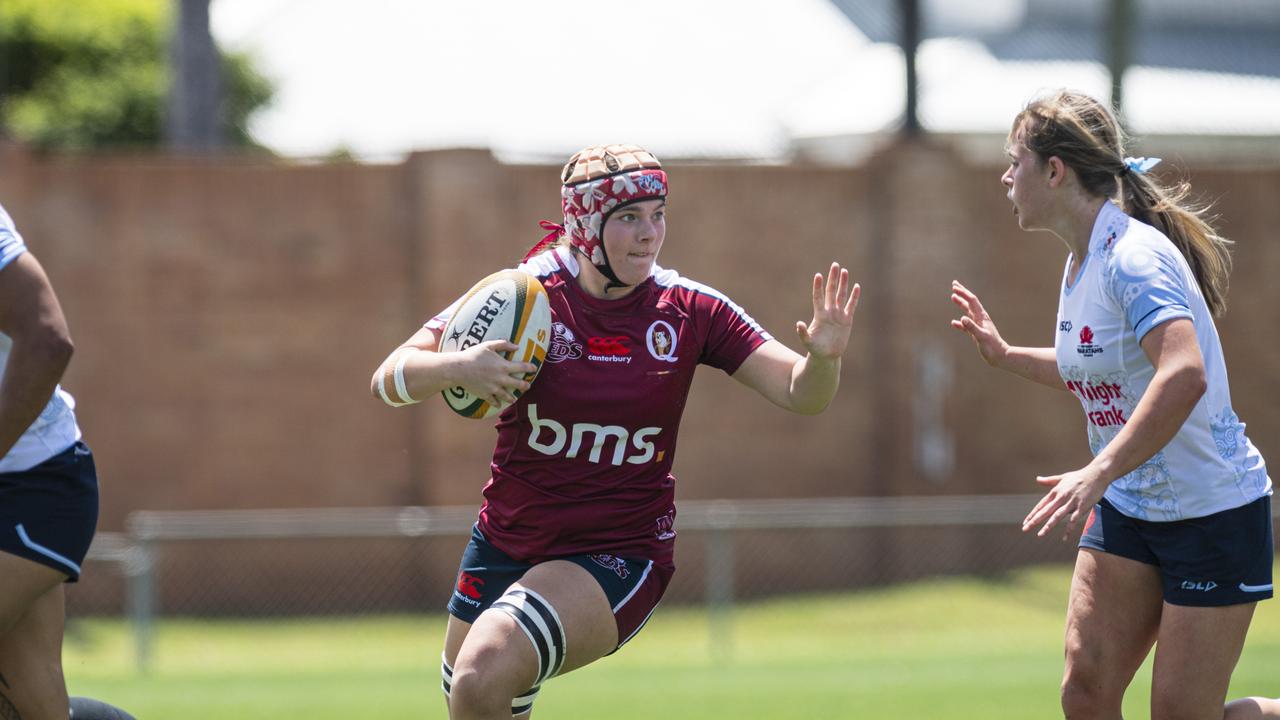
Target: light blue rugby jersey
55,429
1132,280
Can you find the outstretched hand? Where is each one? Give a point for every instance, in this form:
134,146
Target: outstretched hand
1072,496
978,324
834,302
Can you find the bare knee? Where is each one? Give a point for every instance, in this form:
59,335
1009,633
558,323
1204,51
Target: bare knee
1174,706
1081,701
1086,693
478,692
1254,708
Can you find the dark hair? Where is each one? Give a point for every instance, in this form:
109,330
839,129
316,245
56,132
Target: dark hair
1085,135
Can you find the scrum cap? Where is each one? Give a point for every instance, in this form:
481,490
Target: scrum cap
597,181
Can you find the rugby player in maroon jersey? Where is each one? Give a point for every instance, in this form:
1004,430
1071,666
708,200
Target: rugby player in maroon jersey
573,546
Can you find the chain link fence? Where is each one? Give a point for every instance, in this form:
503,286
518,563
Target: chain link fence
364,561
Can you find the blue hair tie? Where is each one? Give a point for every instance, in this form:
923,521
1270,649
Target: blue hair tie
1140,165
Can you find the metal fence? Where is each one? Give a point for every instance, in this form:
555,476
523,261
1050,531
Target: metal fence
359,561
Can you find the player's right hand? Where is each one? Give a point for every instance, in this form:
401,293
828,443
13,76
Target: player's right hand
486,373
978,325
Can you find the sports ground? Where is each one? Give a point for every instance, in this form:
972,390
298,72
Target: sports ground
951,648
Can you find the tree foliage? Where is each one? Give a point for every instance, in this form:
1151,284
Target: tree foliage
81,74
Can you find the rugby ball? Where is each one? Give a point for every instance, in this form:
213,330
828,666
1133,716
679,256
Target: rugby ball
507,305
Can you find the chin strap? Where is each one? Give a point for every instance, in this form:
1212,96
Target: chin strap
605,269
554,233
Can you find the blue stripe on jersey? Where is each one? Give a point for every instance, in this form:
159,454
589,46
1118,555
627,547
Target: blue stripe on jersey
1157,315
1146,279
669,278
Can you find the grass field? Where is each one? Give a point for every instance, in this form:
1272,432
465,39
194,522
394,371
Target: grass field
954,648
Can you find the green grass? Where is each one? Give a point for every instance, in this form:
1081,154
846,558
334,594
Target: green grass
955,648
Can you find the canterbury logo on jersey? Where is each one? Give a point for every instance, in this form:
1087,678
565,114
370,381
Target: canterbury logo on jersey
609,345
609,349
552,438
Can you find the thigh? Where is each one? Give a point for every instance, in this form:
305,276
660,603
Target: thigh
1196,652
589,626
1113,616
496,643
454,635
31,682
633,587
25,581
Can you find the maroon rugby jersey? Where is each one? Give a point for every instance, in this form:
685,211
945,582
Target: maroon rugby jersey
583,459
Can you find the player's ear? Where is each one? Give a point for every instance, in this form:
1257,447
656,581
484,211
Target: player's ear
1057,170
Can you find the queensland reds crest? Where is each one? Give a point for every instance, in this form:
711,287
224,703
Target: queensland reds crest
563,344
666,527
612,562
660,338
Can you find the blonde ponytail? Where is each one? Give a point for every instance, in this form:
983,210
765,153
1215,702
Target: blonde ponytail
1188,226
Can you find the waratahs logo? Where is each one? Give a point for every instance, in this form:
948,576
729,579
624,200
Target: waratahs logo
1086,346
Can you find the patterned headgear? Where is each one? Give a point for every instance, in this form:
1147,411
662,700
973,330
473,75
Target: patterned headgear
597,181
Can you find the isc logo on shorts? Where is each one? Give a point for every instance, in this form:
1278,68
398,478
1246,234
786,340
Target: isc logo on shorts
550,438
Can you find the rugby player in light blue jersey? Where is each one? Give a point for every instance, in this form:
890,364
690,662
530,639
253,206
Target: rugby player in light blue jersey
48,493
1176,509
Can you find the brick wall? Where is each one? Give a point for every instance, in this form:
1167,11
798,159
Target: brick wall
228,314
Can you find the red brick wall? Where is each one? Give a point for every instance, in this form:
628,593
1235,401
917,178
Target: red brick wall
228,315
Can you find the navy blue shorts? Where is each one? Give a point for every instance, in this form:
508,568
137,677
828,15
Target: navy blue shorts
633,586
49,512
1220,559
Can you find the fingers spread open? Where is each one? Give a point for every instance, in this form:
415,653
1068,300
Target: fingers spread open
852,303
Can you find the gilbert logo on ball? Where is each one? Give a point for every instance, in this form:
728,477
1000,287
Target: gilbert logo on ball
507,305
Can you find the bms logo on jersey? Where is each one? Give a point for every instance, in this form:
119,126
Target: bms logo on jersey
552,438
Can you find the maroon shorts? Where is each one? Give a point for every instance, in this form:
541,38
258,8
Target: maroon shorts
633,585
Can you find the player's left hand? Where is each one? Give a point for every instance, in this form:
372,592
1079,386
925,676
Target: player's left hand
1072,497
834,303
